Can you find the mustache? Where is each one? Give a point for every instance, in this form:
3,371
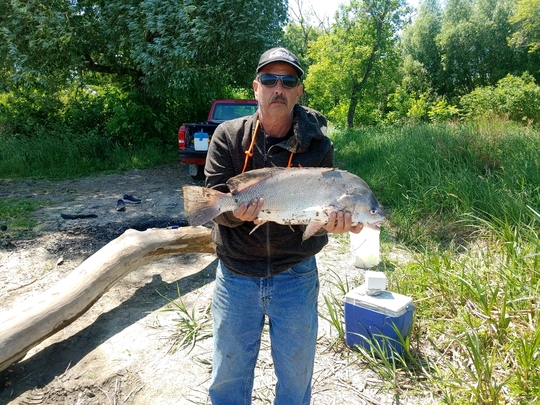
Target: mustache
278,97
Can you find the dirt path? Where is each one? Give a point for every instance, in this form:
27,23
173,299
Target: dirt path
118,352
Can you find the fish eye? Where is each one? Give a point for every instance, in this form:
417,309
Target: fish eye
373,212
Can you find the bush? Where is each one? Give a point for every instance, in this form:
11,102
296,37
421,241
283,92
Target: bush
441,111
515,98
413,108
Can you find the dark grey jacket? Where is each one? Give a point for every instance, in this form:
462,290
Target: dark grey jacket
272,248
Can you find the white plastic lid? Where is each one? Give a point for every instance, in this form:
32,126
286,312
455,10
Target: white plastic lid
387,302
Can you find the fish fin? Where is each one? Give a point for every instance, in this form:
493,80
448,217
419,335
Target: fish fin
253,230
247,179
325,210
200,204
311,229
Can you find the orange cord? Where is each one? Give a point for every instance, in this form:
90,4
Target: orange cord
290,160
249,152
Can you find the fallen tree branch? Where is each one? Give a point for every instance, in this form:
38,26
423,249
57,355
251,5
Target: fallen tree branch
27,326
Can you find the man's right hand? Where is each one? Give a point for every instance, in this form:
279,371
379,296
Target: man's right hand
249,212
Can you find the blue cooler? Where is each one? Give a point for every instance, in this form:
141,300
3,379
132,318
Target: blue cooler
384,319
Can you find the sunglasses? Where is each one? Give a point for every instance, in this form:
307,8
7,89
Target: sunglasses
269,80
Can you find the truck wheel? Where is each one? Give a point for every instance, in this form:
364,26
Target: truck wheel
196,171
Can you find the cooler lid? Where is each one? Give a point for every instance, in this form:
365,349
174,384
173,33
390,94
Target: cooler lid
387,302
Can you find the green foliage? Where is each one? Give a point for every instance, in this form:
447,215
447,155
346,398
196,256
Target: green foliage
153,42
105,111
74,155
409,108
527,20
28,113
403,106
423,59
419,108
354,64
464,45
435,175
441,111
165,61
334,311
515,98
298,37
193,325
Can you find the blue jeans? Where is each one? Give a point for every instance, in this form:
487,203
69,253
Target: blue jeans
239,307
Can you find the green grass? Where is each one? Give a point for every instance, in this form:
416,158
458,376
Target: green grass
193,325
465,201
16,217
77,155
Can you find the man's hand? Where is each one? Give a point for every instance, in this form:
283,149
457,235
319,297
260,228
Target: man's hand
249,212
340,222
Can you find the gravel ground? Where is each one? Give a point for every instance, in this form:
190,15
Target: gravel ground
119,351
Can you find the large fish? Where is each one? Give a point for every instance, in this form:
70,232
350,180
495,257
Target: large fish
292,196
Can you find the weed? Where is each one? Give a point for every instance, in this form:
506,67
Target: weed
193,325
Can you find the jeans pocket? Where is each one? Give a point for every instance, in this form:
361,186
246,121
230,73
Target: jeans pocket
306,268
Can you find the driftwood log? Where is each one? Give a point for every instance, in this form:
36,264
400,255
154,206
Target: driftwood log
46,314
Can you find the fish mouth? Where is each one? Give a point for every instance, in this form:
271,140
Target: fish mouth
374,225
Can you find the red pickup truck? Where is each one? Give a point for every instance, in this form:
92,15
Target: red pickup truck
193,138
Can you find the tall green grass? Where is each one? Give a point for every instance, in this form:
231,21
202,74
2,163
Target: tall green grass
435,175
465,200
76,155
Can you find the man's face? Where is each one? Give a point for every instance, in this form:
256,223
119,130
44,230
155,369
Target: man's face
276,102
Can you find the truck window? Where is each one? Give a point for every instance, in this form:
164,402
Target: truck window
226,112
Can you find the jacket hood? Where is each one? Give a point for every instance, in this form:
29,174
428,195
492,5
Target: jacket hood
308,124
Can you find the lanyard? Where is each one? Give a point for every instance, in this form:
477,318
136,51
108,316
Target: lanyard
249,152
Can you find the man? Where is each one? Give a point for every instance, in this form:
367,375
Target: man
270,273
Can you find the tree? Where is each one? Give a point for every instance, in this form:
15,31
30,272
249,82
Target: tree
303,29
527,22
163,50
348,60
464,45
473,44
526,36
421,53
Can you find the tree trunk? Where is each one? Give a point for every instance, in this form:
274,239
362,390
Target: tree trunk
357,86
25,327
355,94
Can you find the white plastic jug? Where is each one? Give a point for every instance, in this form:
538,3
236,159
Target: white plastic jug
201,140
365,248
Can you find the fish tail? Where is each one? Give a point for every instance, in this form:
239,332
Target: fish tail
201,204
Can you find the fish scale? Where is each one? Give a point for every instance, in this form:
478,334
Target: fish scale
287,203
292,196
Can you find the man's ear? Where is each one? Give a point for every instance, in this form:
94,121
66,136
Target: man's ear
256,89
300,89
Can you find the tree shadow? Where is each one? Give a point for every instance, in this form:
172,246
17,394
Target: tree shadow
43,367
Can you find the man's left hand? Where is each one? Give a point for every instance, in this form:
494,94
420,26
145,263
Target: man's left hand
340,222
